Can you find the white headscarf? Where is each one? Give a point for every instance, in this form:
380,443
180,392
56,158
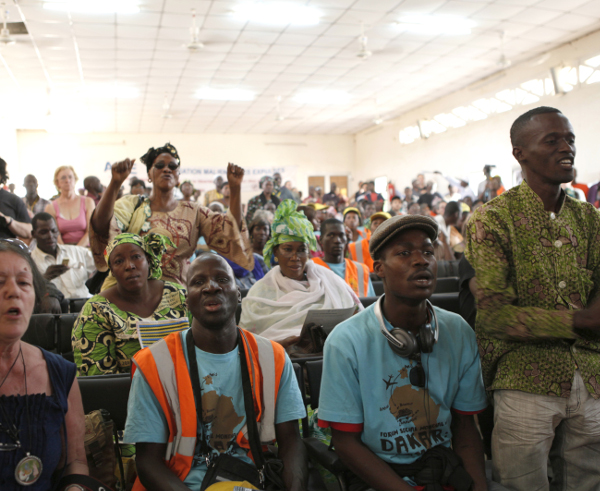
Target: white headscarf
276,306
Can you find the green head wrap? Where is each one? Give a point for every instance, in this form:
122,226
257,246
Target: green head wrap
289,225
153,245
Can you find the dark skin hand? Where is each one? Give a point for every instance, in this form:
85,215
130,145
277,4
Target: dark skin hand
467,443
55,271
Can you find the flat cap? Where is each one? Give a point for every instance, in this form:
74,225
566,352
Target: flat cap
401,223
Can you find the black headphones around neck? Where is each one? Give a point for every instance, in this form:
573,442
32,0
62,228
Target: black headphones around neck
403,342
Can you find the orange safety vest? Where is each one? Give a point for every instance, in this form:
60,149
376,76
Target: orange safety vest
359,251
357,275
364,234
165,369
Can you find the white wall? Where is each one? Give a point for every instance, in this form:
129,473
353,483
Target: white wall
300,156
464,151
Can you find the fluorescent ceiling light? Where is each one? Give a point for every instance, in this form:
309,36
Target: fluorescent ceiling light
322,97
94,6
436,24
210,94
278,13
111,92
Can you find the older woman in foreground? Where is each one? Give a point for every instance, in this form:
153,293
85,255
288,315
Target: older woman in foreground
276,306
40,402
107,332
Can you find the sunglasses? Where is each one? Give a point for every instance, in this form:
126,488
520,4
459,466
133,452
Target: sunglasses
161,165
417,375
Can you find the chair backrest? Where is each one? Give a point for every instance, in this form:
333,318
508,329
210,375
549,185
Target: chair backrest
314,371
109,392
446,301
244,292
65,329
42,331
448,284
76,304
447,268
378,287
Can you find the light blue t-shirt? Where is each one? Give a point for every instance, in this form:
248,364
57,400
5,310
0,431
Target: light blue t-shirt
222,402
340,270
365,382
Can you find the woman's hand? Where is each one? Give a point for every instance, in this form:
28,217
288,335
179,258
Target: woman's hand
289,341
235,176
121,170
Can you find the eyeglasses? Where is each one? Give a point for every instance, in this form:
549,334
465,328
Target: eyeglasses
19,244
292,253
161,165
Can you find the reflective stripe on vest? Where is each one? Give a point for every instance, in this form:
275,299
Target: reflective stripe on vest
362,272
164,367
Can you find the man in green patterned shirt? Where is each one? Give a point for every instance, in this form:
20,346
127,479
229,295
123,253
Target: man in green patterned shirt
536,254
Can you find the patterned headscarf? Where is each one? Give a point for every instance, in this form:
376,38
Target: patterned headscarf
150,156
263,180
289,225
154,245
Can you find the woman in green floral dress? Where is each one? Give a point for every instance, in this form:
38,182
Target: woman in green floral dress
105,336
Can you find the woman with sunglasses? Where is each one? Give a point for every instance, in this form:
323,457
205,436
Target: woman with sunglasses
41,414
276,305
183,222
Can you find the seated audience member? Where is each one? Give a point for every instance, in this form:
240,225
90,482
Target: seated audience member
93,188
402,380
536,256
310,212
105,335
377,219
181,221
266,196
276,306
187,189
448,223
414,209
439,208
209,359
216,207
14,219
226,192
396,206
368,208
68,267
359,251
41,413
333,240
138,187
331,198
429,195
71,211
260,232
32,199
285,192
214,194
353,220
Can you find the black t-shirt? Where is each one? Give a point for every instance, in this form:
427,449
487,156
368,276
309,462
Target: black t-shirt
467,306
11,206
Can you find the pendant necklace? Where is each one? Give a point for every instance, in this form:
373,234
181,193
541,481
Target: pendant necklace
29,468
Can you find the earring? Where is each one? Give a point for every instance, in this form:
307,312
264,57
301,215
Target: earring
149,180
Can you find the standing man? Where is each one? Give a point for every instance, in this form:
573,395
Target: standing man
67,266
391,402
536,255
333,241
214,194
14,219
331,197
173,456
32,200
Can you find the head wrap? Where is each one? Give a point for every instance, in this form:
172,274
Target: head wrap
154,245
150,156
187,181
289,225
263,180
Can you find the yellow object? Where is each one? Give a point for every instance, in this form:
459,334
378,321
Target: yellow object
352,209
317,206
228,486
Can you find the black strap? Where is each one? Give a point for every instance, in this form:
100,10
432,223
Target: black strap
253,437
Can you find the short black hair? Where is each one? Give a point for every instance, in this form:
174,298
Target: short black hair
329,222
396,197
137,182
39,284
521,122
42,216
3,173
452,208
259,221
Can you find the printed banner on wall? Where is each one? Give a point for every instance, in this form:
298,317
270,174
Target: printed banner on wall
203,177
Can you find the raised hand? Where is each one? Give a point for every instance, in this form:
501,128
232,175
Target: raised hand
121,170
235,176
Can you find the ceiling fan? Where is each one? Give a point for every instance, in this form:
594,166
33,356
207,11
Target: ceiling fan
503,62
5,37
363,52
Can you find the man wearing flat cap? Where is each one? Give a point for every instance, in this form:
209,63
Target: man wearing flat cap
402,379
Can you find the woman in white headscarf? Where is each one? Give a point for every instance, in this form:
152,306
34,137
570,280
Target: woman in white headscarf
276,306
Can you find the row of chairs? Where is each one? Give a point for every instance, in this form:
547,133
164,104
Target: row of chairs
52,332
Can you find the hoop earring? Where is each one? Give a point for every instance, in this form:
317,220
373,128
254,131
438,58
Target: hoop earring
149,180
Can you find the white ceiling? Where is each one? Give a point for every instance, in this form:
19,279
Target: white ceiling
49,71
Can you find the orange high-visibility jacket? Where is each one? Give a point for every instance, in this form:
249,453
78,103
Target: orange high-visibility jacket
165,369
357,275
359,251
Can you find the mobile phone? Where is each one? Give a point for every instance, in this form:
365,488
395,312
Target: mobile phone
65,262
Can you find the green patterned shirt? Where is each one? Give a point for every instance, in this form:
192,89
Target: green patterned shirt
105,337
533,269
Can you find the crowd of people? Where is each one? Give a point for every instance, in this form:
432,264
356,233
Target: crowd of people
206,306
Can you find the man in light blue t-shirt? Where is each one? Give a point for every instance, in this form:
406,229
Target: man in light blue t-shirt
387,406
212,298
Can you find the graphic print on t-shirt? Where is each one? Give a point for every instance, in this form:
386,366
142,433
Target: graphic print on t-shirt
219,416
416,413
